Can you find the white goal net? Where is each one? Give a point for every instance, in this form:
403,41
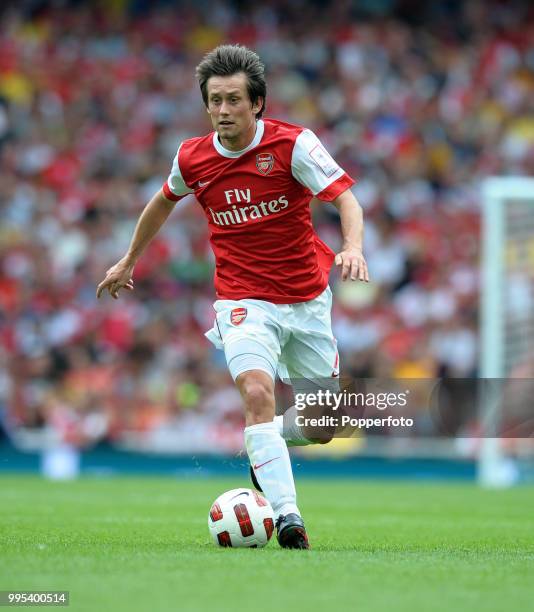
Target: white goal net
507,318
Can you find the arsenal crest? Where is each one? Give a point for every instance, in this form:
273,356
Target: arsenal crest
264,162
238,315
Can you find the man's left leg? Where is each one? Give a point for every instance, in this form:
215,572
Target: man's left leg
311,363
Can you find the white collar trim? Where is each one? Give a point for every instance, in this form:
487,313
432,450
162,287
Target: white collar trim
260,128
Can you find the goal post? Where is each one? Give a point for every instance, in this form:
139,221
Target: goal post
506,309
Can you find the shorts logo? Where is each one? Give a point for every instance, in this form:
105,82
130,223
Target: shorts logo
264,162
238,315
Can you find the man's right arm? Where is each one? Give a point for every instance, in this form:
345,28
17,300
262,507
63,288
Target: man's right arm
152,218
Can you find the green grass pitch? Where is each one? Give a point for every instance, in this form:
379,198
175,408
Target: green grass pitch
143,544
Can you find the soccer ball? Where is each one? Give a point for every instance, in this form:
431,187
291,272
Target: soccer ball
241,518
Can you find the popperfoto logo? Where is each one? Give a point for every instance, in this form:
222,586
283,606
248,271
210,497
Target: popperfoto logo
468,408
338,410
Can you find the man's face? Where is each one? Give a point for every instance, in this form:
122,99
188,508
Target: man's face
232,113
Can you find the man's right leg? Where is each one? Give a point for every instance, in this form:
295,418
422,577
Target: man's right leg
269,456
266,449
252,348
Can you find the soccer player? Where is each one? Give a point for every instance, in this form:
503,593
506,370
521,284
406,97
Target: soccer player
254,179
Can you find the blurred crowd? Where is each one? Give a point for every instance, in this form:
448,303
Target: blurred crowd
417,104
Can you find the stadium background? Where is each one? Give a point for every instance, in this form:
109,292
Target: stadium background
418,101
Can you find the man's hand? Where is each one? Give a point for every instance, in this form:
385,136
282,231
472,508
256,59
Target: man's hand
118,277
353,265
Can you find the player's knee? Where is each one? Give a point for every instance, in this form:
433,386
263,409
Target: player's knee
319,435
258,410
324,439
258,396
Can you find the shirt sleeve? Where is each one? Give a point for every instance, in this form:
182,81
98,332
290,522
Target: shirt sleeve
174,188
316,169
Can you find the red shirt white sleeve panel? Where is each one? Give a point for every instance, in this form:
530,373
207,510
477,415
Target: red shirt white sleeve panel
175,188
316,169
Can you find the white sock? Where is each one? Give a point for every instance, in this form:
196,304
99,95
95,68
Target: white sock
289,430
269,458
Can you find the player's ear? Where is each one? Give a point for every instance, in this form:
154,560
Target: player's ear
257,105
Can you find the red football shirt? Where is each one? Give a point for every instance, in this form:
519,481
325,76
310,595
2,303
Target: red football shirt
257,205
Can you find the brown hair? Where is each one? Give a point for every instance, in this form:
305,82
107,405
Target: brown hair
227,60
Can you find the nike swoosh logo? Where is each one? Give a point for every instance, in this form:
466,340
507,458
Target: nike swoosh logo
257,467
201,184
239,494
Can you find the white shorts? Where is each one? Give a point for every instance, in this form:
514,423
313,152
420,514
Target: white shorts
294,341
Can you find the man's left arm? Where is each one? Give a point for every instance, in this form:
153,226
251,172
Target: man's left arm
350,258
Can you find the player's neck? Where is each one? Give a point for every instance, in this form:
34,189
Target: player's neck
240,142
